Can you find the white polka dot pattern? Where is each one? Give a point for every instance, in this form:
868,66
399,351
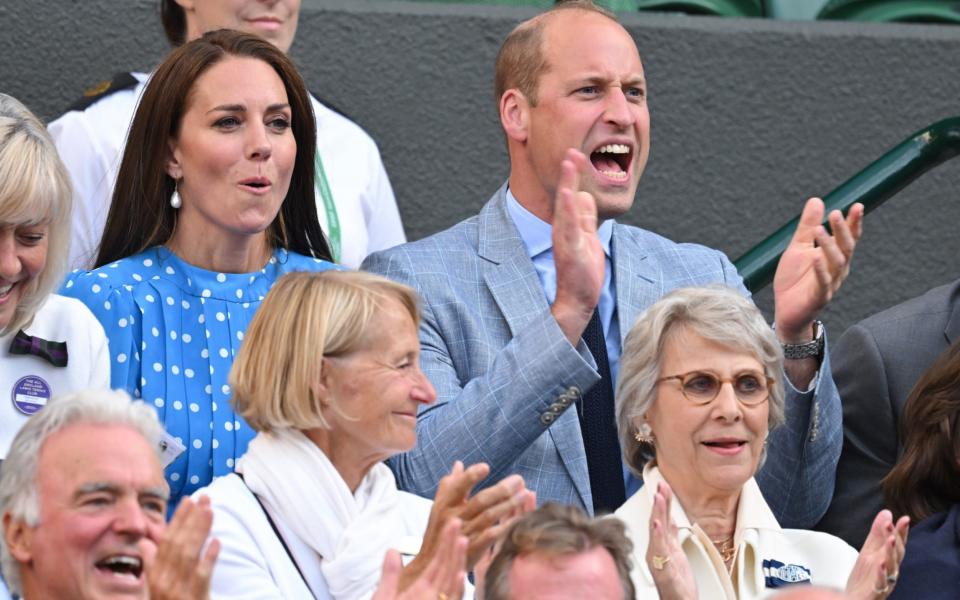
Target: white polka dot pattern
179,351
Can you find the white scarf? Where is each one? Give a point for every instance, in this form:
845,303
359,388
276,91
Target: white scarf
351,532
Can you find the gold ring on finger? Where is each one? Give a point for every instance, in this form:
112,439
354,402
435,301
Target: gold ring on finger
659,561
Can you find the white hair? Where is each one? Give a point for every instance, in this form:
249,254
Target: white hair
18,475
717,313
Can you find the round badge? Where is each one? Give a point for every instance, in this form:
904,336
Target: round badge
30,394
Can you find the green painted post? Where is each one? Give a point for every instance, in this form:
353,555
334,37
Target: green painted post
872,186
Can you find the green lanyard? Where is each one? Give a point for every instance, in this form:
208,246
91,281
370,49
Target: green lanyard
333,222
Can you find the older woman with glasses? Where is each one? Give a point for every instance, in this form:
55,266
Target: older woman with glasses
699,393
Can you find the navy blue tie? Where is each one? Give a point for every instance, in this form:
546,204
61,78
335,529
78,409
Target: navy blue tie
599,428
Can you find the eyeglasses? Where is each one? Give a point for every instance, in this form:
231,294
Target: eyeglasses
701,387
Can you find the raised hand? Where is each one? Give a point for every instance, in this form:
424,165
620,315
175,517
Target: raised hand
484,516
875,573
577,253
442,577
181,569
812,268
665,559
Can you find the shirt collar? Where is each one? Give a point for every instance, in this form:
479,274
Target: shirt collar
536,233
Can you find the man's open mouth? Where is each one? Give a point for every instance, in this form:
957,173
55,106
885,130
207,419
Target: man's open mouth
613,161
123,565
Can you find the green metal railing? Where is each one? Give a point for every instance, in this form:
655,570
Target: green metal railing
872,186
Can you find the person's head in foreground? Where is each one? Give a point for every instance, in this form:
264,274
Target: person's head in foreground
572,78
219,158
34,215
699,392
926,480
83,499
273,20
559,552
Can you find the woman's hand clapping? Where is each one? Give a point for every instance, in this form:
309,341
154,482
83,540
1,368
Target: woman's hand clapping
666,560
875,573
484,516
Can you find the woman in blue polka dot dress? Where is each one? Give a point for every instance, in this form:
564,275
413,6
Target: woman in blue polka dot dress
213,203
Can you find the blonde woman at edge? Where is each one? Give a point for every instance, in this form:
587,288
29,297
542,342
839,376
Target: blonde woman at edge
50,345
699,392
329,377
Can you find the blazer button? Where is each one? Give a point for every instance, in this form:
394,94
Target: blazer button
574,391
547,418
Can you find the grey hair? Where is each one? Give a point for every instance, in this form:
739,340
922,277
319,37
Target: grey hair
34,188
717,313
18,477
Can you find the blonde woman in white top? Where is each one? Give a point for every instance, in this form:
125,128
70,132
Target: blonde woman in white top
50,345
329,377
699,392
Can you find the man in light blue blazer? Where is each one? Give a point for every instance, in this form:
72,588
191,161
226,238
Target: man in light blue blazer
508,293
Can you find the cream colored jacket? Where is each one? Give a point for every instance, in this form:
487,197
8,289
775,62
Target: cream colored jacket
767,557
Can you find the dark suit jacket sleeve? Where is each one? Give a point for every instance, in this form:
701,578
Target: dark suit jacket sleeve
493,417
870,430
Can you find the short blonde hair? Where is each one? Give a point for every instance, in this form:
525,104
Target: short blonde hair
305,317
717,313
34,188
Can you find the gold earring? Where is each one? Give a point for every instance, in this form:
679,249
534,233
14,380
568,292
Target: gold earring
644,434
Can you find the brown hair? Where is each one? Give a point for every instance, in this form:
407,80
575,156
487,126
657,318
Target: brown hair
140,213
174,22
556,529
926,479
305,317
521,61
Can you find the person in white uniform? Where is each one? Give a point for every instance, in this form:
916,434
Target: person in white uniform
49,344
329,377
355,203
699,391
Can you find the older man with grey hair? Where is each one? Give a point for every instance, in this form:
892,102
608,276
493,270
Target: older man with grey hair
84,506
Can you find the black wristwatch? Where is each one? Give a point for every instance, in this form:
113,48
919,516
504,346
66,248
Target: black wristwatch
811,349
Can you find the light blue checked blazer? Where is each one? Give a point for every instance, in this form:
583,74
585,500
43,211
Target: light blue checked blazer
504,371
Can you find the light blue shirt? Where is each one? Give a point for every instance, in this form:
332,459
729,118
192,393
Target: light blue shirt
537,238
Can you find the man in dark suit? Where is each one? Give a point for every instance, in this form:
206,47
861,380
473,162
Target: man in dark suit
875,365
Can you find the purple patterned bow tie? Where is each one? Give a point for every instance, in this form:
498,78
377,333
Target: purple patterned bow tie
53,352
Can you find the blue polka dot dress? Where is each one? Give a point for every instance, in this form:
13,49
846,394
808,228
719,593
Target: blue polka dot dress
173,330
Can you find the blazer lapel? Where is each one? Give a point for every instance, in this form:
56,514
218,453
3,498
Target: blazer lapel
637,280
515,286
952,329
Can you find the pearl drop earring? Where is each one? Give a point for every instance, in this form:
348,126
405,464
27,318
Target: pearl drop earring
175,200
